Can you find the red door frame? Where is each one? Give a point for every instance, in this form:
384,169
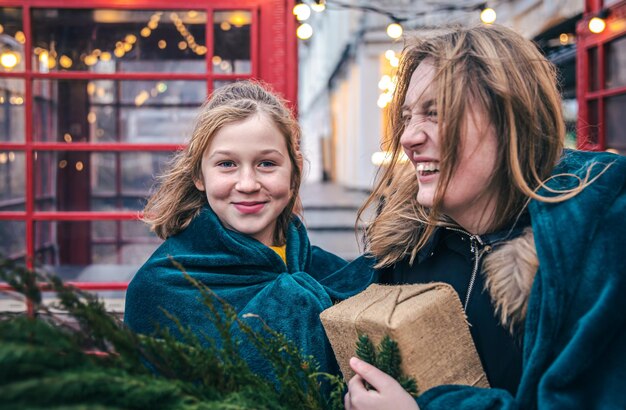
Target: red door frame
273,59
587,41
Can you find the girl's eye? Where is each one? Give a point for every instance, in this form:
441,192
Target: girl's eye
226,164
266,164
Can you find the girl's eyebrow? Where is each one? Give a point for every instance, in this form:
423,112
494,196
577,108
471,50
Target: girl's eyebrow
230,153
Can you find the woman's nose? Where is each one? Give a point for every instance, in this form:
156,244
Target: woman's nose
413,135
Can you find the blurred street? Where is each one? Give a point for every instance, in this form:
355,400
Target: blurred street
330,215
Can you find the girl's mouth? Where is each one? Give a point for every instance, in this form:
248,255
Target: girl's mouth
249,207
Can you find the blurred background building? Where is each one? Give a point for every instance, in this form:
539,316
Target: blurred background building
347,64
95,96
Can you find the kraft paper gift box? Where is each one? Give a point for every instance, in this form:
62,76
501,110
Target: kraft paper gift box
426,320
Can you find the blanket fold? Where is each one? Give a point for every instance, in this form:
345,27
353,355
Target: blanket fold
252,278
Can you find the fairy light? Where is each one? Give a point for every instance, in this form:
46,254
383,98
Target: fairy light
305,31
597,25
488,15
394,30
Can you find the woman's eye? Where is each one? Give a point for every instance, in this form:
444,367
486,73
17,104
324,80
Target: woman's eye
226,164
432,115
406,119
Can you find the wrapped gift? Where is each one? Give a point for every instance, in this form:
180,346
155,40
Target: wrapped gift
427,322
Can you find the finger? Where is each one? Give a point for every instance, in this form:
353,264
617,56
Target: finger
375,377
356,385
346,401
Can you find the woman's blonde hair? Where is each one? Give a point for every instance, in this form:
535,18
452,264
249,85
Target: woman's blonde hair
516,87
177,201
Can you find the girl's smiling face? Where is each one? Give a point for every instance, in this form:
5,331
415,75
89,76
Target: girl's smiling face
247,174
468,198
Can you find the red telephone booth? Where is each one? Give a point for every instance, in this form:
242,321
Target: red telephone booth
601,78
94,98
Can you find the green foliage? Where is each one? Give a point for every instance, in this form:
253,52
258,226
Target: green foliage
387,358
93,362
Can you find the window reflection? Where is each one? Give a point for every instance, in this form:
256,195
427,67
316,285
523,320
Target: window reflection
95,181
12,39
231,48
12,181
109,41
89,250
12,108
13,240
102,111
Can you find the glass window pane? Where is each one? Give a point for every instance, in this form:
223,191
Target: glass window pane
12,39
12,181
231,48
615,61
12,110
105,111
13,239
110,41
95,251
614,109
95,181
594,81
594,121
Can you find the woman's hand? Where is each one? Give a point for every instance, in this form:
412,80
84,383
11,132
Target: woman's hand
387,393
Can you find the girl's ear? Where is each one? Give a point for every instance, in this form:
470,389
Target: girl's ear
199,184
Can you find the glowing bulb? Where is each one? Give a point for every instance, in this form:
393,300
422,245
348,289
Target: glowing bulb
301,11
91,60
182,45
152,25
161,87
488,16
318,7
597,25
389,54
79,166
216,60
9,59
162,44
145,32
304,32
225,26
105,56
65,61
67,137
119,52
19,36
131,38
62,164
394,30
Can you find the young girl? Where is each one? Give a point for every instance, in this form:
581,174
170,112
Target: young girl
530,236
226,211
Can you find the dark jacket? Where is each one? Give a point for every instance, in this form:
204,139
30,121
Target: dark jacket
574,346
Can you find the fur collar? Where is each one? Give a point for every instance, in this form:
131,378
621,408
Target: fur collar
509,273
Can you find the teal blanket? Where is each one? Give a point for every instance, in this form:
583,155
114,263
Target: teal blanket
252,278
575,339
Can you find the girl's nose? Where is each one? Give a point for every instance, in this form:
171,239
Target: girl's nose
247,181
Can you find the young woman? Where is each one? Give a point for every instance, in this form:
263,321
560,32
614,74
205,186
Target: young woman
226,211
530,235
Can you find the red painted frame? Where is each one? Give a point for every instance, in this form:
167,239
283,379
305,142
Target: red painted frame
585,42
273,60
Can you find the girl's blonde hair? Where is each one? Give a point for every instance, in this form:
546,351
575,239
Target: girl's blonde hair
177,201
514,84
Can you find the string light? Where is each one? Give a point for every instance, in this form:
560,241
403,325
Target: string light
394,30
9,59
318,6
488,15
305,31
598,23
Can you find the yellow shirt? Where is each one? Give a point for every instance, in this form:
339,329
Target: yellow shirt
281,251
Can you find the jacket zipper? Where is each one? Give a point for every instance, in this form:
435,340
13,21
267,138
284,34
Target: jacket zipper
475,240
